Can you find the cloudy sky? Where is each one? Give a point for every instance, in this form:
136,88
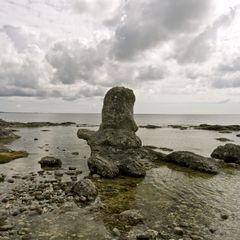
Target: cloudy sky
179,56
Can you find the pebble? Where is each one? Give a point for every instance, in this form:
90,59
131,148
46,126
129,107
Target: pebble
75,153
72,168
178,230
224,216
10,180
150,234
6,227
116,232
195,237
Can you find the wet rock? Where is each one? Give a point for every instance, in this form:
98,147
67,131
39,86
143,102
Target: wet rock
150,126
102,166
229,153
7,135
131,217
148,235
117,112
33,124
6,227
178,127
96,176
115,148
132,167
116,232
75,153
195,237
224,139
193,161
224,216
85,188
50,162
2,177
72,168
10,180
219,128
3,216
58,173
179,231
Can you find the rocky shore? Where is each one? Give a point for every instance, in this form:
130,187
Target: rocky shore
118,164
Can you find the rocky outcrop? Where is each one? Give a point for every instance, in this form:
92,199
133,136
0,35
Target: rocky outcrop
6,124
7,135
193,161
115,147
50,162
230,153
219,128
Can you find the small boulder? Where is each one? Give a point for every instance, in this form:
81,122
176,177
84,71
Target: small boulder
230,153
193,161
131,217
85,188
50,162
150,234
102,166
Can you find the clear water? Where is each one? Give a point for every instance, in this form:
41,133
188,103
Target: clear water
167,195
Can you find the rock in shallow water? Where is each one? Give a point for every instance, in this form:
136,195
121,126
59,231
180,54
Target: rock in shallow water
193,161
229,153
50,162
85,188
115,137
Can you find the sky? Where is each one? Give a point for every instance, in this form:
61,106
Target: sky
179,56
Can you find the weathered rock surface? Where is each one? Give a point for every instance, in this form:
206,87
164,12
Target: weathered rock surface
229,153
50,162
85,189
115,148
6,135
117,112
193,161
131,217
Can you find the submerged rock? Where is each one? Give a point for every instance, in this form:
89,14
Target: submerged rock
50,162
229,153
193,161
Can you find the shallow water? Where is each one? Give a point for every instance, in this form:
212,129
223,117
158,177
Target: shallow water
167,195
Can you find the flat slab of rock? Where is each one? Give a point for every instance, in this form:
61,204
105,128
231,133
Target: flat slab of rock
229,153
193,161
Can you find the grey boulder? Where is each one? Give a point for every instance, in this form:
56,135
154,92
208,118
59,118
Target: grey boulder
229,153
193,161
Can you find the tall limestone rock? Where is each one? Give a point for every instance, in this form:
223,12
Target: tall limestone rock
115,148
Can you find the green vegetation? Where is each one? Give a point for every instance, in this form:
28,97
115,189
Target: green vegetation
8,156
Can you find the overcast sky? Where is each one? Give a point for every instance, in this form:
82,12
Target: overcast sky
179,56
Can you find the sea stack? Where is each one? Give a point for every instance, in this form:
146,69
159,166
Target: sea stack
115,147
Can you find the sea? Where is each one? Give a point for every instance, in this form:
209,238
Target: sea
168,194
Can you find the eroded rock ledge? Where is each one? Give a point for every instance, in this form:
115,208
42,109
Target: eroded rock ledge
115,147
